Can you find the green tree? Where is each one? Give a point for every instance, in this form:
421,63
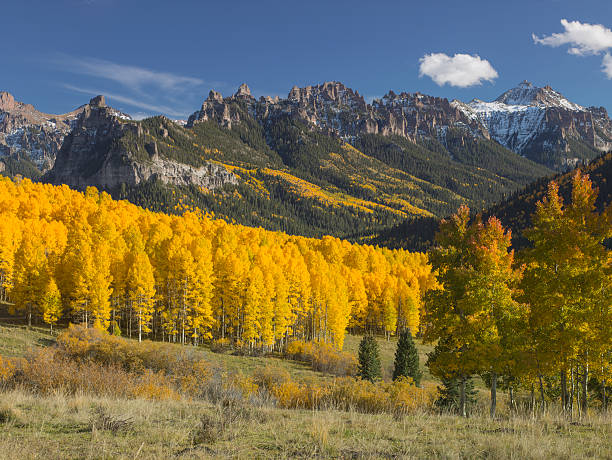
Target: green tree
369,359
406,358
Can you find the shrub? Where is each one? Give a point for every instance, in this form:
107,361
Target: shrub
323,357
270,377
81,343
7,369
346,393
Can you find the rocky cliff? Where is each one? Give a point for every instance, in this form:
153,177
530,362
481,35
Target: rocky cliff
341,111
106,150
538,123
27,134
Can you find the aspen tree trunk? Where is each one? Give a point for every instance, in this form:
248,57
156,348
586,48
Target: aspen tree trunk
493,394
603,390
564,401
140,325
585,383
532,399
511,394
572,391
462,403
541,391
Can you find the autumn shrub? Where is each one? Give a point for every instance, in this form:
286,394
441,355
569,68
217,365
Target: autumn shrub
270,377
247,385
220,345
7,369
179,364
323,357
46,371
350,394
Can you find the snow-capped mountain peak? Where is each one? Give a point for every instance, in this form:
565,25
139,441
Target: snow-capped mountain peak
538,122
527,94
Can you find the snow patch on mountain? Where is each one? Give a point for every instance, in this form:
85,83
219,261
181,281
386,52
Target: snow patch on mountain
518,116
528,94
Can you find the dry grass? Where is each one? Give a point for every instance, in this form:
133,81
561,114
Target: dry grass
64,423
60,426
16,340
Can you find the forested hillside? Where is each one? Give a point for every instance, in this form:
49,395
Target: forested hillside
69,256
292,165
515,212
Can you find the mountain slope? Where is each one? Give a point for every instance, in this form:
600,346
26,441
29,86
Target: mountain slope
320,161
29,139
515,212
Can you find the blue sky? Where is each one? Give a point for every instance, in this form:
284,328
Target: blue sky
163,57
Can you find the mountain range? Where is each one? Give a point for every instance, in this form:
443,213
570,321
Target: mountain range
322,160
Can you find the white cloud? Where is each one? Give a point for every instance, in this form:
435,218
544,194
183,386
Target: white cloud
133,77
151,108
138,87
607,65
461,70
583,39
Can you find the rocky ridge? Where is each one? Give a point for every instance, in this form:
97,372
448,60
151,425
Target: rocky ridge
538,123
27,134
95,154
341,111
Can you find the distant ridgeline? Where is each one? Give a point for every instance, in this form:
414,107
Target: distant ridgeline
83,257
320,161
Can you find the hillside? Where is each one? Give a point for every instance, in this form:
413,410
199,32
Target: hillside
224,423
320,161
307,164
514,212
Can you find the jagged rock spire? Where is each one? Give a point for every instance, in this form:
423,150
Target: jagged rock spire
243,91
98,101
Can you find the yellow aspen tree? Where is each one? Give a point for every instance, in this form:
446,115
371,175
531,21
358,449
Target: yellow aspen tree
29,272
100,290
141,290
446,318
252,305
10,238
201,291
50,302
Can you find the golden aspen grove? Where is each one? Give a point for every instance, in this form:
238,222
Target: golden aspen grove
85,258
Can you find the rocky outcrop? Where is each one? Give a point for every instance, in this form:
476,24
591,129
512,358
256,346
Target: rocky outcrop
103,151
341,111
535,122
27,134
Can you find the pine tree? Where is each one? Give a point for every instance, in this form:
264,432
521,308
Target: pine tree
406,358
369,359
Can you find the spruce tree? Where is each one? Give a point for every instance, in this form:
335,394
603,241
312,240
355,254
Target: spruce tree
369,359
450,395
406,358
